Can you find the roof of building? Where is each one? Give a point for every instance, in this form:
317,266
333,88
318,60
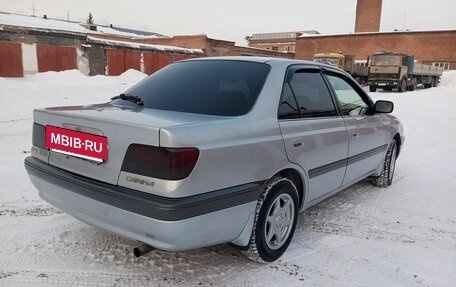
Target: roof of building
282,35
51,24
376,33
135,45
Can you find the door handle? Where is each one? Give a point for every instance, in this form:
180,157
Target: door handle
297,143
355,134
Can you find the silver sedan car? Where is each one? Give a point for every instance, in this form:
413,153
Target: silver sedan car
214,150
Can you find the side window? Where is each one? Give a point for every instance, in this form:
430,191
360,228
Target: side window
308,89
288,108
351,103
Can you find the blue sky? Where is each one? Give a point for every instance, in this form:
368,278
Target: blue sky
235,19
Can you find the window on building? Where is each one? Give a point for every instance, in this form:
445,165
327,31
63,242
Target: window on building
275,48
444,65
287,48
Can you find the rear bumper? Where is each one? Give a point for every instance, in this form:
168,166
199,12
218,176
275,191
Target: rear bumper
171,224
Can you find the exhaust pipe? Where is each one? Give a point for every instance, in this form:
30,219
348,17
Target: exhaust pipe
142,249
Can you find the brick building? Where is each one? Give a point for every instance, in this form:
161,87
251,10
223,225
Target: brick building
33,44
428,47
38,44
368,15
283,42
214,47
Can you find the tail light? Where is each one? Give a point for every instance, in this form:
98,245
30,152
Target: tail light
39,136
159,162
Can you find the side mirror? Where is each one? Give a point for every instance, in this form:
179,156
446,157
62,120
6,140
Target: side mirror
383,107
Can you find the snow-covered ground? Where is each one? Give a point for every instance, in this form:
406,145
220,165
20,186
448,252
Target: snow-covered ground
404,235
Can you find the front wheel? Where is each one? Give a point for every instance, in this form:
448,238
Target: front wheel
275,221
372,88
386,177
403,86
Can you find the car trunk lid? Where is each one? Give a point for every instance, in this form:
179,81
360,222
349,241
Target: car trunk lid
121,126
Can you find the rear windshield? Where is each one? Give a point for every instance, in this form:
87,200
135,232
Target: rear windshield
211,87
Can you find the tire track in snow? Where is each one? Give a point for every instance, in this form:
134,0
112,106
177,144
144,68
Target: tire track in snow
33,211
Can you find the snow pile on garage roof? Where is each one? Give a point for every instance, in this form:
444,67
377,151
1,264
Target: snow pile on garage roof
95,40
40,23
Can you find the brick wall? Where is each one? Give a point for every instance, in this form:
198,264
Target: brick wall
368,14
280,44
212,47
428,47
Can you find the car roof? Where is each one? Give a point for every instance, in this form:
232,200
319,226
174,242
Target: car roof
256,59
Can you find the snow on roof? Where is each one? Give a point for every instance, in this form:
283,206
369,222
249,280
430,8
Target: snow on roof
113,31
40,23
91,39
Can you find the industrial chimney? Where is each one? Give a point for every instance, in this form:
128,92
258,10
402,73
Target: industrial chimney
368,14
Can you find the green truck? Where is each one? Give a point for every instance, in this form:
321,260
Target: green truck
389,70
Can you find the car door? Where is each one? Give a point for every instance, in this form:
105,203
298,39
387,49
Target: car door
314,134
366,130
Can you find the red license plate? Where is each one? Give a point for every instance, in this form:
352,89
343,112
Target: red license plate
79,144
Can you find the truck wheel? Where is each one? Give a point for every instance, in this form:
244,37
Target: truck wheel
372,88
414,84
436,81
403,87
275,221
433,82
386,177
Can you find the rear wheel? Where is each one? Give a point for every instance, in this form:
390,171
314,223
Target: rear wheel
433,83
386,177
275,221
414,84
373,88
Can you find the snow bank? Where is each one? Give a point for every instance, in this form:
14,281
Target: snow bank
448,79
68,75
132,75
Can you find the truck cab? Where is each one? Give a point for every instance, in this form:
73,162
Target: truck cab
333,59
388,70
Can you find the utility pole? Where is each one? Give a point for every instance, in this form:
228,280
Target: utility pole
405,15
33,8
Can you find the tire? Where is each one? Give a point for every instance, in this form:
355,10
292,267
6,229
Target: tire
433,82
403,87
372,88
436,82
386,177
414,84
276,209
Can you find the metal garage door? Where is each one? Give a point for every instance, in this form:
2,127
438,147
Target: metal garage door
55,58
11,60
119,61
